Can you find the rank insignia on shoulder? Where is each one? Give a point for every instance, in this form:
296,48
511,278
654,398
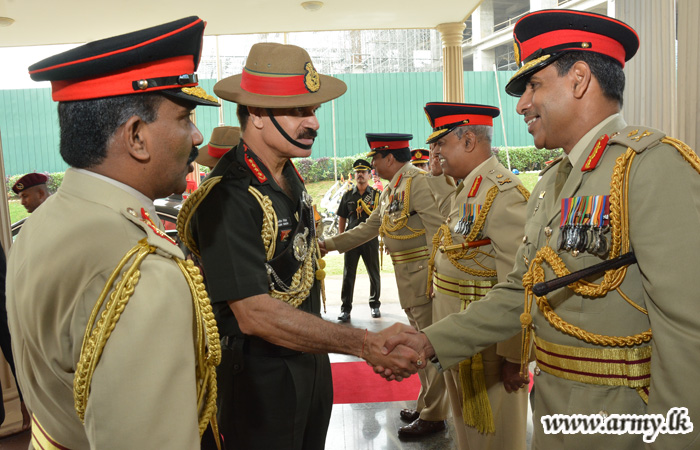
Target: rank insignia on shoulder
475,187
146,218
596,153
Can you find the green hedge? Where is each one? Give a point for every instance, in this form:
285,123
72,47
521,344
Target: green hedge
55,180
526,158
521,158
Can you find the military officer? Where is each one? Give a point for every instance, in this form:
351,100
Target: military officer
223,139
420,158
473,250
405,219
621,340
102,328
32,190
355,207
251,225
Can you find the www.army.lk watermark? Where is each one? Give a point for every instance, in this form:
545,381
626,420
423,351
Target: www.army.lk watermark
648,425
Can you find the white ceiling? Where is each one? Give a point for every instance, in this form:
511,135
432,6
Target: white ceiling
41,22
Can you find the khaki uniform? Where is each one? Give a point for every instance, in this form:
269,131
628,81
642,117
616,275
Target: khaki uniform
443,188
410,257
664,194
143,391
454,289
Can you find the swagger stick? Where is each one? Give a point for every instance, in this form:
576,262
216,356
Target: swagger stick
546,287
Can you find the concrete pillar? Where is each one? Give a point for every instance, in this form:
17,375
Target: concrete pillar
452,74
482,26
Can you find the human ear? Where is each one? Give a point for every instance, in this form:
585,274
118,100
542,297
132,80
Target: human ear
256,115
580,75
134,133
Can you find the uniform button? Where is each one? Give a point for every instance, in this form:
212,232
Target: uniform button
537,371
448,220
420,267
524,239
547,231
604,413
132,212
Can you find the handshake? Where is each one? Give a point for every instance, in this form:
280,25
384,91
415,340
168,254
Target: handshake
397,352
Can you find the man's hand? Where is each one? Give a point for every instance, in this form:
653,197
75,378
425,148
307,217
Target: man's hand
397,365
409,338
510,373
322,247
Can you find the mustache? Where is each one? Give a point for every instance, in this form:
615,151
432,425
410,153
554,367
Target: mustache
308,133
193,155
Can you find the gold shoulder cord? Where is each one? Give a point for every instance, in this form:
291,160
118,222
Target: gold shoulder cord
189,206
619,222
387,227
96,335
444,237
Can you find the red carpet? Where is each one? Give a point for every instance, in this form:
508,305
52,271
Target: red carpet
355,382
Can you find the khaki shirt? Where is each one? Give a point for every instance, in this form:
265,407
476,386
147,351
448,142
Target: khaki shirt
411,277
664,206
504,226
143,391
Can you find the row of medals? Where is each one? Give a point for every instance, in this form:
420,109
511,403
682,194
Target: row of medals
584,238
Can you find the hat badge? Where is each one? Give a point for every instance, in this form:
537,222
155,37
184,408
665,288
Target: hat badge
419,155
311,80
19,186
516,50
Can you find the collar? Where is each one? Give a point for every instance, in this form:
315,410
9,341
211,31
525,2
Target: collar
399,174
368,189
582,145
469,180
146,202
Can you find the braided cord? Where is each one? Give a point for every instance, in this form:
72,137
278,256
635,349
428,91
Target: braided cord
388,227
96,335
208,348
189,206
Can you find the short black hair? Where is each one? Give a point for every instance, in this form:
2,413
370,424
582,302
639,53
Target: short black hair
88,125
605,69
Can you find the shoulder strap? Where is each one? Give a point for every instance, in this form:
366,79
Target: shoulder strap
638,138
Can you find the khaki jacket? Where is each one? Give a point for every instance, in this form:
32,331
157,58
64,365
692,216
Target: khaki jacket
411,277
664,211
143,391
504,225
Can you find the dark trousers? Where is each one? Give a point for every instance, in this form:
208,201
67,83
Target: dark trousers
280,402
369,251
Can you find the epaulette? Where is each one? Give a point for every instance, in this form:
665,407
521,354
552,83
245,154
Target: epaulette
551,164
637,138
156,237
502,178
414,172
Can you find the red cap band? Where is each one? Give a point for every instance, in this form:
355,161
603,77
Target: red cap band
273,85
599,43
120,83
391,145
474,119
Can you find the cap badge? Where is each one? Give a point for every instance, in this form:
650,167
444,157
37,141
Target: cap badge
311,80
199,92
516,50
419,155
19,186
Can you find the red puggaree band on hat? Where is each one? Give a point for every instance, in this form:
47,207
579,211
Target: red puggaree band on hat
471,119
273,85
217,152
388,145
579,40
121,82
